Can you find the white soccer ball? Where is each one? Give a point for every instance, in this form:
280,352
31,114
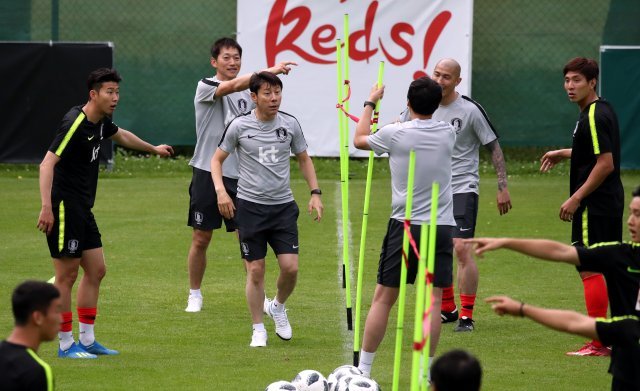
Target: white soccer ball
281,386
310,380
362,383
340,372
343,383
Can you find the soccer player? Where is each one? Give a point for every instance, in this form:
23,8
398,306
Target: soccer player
217,101
596,202
68,181
266,211
473,129
456,370
618,262
433,144
622,333
36,311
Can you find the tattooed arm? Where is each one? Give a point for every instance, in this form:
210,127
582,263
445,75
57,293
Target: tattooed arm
503,199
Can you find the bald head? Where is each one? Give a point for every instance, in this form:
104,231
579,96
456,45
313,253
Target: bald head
450,65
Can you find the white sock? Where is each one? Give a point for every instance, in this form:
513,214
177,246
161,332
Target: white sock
66,339
258,327
86,334
277,306
195,292
366,360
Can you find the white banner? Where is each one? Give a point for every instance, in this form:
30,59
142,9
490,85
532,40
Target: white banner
409,36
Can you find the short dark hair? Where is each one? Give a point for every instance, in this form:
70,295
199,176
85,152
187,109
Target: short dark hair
32,296
636,192
224,42
102,75
584,66
264,77
424,95
456,370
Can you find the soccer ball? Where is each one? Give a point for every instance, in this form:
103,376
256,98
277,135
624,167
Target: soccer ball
343,383
281,386
310,380
340,372
361,383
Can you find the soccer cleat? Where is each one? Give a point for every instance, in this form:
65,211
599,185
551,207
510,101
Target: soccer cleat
283,328
448,317
97,349
589,349
258,339
464,324
194,304
75,351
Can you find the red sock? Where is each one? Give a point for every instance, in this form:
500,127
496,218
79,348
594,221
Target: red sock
67,322
87,315
467,302
448,299
596,298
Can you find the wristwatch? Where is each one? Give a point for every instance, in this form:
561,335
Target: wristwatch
316,191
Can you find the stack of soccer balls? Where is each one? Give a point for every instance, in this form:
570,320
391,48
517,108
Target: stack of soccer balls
343,378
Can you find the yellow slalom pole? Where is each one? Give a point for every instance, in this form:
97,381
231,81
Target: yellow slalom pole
345,195
431,260
403,274
363,235
418,335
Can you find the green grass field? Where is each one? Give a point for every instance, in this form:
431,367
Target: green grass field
141,209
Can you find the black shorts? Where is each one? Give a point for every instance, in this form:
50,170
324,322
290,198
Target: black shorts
260,224
465,211
203,202
588,229
74,230
391,256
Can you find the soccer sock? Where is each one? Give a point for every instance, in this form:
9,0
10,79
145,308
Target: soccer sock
596,298
65,335
258,327
366,361
448,299
87,317
195,292
467,302
277,306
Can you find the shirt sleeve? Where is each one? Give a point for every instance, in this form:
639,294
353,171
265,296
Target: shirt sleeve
109,128
380,141
229,140
64,134
206,90
600,128
624,330
482,126
599,259
298,142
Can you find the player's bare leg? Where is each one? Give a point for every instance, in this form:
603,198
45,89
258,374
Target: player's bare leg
197,264
288,276
254,290
468,276
376,325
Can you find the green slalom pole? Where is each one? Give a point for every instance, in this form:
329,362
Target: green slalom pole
431,260
403,274
344,190
363,233
418,334
345,195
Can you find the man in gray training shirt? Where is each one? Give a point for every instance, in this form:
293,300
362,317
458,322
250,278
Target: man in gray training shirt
217,101
266,211
433,144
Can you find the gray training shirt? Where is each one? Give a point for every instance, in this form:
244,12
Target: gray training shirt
473,129
433,142
212,116
263,151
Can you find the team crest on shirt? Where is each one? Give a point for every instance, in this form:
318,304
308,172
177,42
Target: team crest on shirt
73,246
457,124
198,217
281,134
242,105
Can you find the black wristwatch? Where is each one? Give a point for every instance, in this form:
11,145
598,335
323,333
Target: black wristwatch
370,104
316,191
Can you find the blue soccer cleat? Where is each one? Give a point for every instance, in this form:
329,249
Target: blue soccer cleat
75,351
97,349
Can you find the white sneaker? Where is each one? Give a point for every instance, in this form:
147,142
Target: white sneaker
258,339
194,304
283,328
